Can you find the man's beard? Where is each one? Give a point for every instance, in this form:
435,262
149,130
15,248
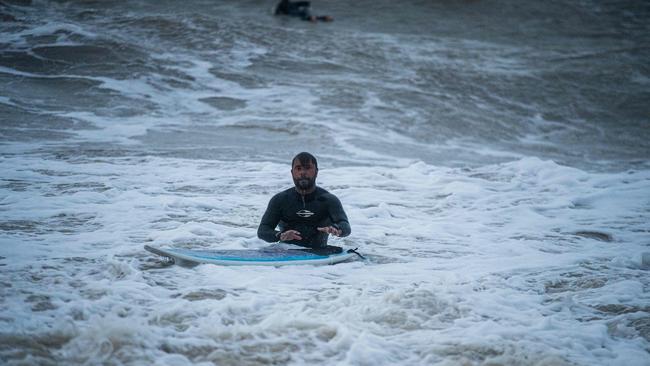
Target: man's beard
305,184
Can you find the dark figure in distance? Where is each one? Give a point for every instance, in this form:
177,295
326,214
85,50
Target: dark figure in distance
299,9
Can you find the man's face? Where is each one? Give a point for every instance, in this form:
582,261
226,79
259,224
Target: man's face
304,175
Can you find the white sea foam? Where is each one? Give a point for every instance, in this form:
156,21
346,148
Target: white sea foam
62,31
463,263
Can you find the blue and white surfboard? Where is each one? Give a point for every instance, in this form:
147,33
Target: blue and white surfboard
270,256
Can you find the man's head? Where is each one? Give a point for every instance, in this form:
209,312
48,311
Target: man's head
304,170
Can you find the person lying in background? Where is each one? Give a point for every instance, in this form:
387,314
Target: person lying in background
300,9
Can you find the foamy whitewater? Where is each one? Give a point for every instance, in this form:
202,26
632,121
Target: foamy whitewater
492,158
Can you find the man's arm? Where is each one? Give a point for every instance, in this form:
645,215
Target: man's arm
338,217
266,231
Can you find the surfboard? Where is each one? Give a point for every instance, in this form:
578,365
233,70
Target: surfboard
270,256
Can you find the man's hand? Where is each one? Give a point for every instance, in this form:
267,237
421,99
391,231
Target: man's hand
331,230
290,235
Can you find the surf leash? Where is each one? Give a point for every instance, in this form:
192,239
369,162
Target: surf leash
357,253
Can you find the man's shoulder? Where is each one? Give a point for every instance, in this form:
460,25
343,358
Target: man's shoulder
283,194
321,191
290,193
324,195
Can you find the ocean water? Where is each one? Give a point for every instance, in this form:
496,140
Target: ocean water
492,157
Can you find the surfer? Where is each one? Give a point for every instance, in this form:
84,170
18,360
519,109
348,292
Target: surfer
305,214
299,9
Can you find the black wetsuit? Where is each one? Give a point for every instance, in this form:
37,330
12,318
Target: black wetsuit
289,210
299,9
294,8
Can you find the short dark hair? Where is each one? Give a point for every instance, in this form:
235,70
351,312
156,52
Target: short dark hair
304,158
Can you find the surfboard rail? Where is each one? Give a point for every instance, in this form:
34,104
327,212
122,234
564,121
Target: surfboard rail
256,257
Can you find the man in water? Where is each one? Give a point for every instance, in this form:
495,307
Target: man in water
299,9
305,214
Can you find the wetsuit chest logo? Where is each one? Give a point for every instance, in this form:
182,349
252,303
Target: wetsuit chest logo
305,213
